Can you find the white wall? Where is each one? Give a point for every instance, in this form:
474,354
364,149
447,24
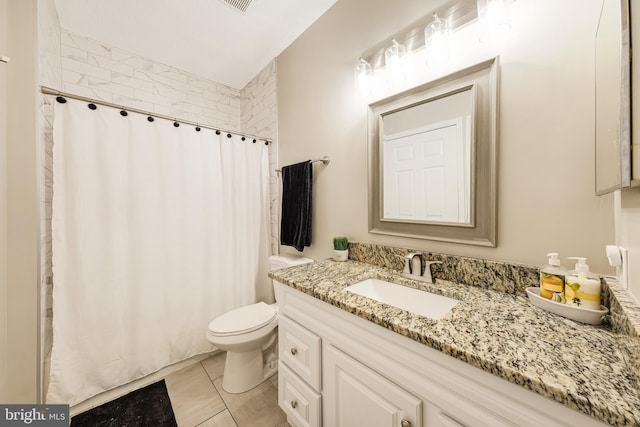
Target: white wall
627,208
546,198
627,203
22,203
3,209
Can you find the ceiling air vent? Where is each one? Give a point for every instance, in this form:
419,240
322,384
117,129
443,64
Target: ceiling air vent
239,5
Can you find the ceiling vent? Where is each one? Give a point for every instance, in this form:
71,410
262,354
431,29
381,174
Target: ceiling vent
239,5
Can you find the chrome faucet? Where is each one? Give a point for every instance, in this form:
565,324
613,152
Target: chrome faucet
413,267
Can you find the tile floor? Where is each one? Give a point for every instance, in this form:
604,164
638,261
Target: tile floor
198,399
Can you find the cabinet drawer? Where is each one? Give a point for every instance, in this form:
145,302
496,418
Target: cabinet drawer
299,401
300,349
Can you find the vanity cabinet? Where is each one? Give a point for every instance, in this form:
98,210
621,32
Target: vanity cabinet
338,369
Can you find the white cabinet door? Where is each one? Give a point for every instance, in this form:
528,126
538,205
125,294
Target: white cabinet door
355,395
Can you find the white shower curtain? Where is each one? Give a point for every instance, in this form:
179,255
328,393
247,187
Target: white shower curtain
156,231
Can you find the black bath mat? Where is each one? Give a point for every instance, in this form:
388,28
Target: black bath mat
148,406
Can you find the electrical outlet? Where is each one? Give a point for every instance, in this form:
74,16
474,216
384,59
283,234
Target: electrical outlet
619,258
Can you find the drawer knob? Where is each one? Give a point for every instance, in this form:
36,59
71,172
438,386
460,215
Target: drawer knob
294,404
294,351
405,423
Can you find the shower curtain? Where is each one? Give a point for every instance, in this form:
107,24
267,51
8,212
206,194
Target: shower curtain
157,229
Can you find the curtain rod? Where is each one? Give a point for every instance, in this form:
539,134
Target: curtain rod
325,160
49,91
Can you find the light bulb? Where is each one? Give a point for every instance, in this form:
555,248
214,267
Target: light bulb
437,41
494,18
394,54
362,74
394,61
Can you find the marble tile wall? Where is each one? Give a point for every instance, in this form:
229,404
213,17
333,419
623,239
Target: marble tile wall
259,116
96,70
49,74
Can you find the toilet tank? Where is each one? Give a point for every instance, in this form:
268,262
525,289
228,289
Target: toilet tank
276,262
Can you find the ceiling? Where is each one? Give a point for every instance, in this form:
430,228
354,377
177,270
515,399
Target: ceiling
208,38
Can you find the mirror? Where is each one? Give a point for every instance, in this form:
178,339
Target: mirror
432,159
426,156
613,98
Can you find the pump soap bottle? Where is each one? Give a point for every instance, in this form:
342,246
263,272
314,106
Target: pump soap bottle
552,278
582,289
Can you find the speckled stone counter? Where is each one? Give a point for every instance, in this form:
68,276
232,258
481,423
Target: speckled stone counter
588,368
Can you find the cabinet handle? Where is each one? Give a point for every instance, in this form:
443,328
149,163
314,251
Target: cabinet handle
294,404
294,351
405,423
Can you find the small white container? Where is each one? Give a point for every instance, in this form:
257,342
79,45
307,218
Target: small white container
340,255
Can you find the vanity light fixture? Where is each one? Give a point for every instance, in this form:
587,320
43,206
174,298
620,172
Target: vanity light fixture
494,19
362,73
437,41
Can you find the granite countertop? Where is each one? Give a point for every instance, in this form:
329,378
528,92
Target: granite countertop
581,366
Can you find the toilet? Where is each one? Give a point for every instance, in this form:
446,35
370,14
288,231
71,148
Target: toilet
249,335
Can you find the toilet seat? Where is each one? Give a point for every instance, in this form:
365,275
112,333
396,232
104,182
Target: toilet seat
243,320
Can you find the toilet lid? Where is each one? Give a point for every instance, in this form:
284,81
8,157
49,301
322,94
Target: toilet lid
244,319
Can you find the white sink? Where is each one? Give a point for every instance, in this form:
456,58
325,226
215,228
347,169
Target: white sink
416,301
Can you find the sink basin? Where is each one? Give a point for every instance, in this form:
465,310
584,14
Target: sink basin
416,301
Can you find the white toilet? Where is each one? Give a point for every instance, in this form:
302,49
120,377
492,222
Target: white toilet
249,335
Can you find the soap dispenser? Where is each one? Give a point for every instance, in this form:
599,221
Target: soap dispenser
552,279
582,288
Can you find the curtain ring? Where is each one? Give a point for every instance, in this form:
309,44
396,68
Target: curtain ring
123,113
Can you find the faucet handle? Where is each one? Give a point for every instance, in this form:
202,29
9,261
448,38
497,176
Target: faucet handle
427,270
406,262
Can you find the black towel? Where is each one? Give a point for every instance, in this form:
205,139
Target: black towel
295,227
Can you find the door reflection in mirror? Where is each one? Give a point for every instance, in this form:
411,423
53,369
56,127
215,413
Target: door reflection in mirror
427,155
